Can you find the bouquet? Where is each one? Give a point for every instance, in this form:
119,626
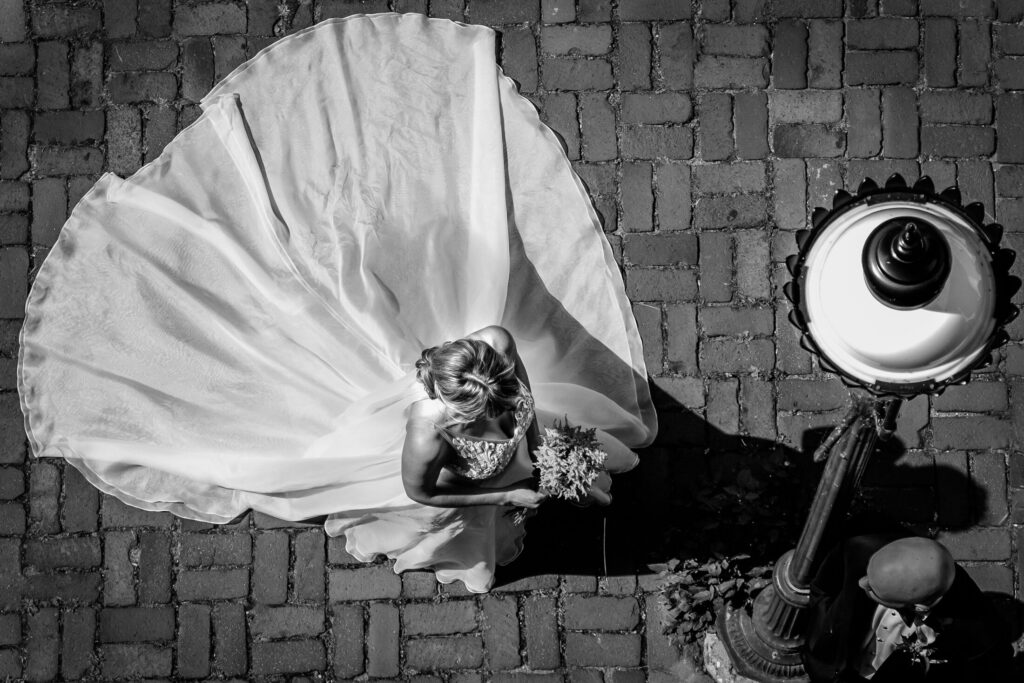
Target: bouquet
568,462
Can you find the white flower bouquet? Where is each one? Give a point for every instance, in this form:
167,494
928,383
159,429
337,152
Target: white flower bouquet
569,460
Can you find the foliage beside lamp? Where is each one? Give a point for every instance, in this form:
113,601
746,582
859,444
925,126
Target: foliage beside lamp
744,507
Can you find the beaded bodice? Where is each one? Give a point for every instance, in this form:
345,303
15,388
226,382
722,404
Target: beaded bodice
477,458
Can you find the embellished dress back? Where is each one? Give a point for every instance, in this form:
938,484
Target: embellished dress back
478,458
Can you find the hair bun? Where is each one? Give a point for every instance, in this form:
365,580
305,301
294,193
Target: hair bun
486,384
470,378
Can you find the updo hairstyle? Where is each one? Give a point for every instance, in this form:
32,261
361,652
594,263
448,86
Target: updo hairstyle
470,377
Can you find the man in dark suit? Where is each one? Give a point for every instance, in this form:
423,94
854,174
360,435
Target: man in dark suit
888,608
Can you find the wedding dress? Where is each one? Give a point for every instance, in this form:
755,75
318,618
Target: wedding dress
235,326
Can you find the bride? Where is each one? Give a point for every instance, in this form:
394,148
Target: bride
479,384
242,323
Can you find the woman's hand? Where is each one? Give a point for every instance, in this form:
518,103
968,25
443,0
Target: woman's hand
525,498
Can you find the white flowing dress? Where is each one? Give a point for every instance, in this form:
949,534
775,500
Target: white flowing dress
235,326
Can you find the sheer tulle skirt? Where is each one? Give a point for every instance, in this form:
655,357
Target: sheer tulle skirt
234,327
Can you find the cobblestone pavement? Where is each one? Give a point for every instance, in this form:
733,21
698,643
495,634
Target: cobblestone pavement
705,132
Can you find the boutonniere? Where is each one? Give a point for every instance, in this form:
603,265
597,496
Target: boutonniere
920,651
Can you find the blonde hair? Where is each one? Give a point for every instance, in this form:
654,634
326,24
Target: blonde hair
470,377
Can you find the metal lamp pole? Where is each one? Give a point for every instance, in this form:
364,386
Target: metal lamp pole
766,644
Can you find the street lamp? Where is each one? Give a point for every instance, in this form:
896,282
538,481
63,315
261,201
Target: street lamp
900,291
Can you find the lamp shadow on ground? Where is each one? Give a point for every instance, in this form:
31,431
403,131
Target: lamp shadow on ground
699,493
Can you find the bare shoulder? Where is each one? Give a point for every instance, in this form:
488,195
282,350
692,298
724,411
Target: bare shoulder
497,337
424,414
422,440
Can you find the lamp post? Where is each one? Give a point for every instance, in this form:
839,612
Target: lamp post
900,291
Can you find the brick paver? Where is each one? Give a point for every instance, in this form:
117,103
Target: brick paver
705,132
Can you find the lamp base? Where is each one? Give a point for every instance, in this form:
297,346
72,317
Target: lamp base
762,656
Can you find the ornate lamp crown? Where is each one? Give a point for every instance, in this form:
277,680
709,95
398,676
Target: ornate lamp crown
901,290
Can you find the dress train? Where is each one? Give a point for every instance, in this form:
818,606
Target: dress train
234,327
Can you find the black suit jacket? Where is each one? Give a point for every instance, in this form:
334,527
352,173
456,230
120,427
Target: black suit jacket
969,635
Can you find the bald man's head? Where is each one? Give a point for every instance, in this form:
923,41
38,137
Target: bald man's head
909,571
